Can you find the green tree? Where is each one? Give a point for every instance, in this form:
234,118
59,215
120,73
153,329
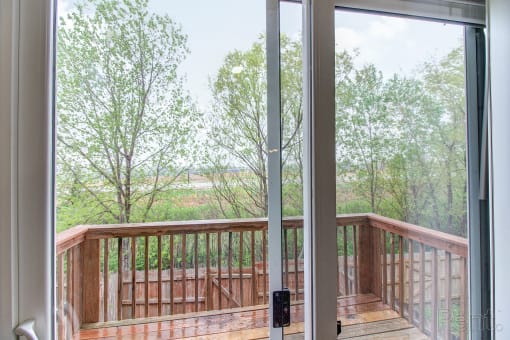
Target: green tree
124,121
364,128
444,80
401,141
425,178
238,130
408,177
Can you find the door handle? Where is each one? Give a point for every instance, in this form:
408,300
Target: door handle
26,329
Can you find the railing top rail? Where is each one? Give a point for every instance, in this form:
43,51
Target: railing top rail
434,238
76,235
351,219
73,236
161,228
70,238
243,224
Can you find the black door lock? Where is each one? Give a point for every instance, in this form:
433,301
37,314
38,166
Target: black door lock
281,308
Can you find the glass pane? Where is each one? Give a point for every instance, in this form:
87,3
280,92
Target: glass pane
401,170
161,144
292,160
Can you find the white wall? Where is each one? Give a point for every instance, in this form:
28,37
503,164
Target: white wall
499,40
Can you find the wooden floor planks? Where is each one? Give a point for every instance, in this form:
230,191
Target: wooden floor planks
363,317
396,328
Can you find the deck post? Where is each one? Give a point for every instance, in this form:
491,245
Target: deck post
91,273
369,270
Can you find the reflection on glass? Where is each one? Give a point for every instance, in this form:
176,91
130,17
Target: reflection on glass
400,142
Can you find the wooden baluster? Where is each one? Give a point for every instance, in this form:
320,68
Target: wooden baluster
171,271
230,269
160,278
133,278
119,278
219,270
254,290
355,258
401,275
346,264
264,264
392,271
208,296
422,287
375,237
448,294
70,284
184,274
60,296
241,268
106,273
146,276
411,282
286,256
385,268
435,295
196,272
338,293
463,299
296,264
77,286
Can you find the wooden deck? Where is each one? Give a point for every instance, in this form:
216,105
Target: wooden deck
387,270
363,316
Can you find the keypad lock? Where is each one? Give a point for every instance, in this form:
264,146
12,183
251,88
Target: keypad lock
281,308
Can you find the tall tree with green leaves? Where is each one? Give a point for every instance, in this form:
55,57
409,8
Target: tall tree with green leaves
408,177
444,80
425,177
238,130
124,121
364,128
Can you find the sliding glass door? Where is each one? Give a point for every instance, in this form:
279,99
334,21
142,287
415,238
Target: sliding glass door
168,167
246,169
410,210
411,178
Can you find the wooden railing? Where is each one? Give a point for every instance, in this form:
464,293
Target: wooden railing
115,272
425,272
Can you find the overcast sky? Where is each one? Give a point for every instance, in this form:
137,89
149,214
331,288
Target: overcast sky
214,28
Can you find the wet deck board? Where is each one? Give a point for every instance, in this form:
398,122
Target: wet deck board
395,328
363,317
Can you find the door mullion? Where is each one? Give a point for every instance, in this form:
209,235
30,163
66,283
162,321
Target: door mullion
274,156
319,184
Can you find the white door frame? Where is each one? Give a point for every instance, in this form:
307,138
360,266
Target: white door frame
319,169
27,167
26,144
8,109
499,140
